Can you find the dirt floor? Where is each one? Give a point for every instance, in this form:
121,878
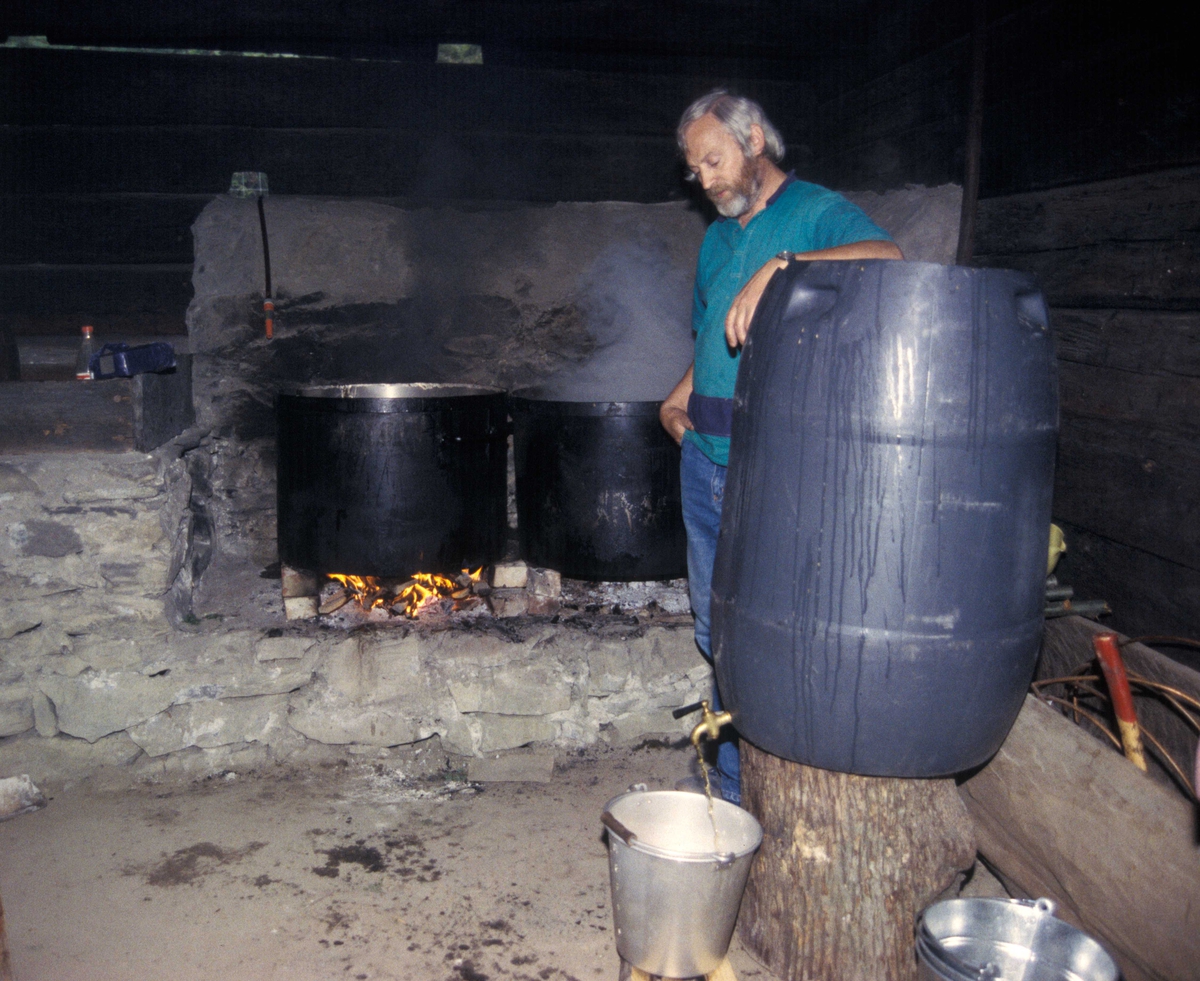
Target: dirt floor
396,867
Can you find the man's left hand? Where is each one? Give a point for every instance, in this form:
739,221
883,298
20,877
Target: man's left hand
741,311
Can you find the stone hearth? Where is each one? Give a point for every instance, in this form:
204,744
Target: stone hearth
142,627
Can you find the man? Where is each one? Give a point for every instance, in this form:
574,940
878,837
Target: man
767,219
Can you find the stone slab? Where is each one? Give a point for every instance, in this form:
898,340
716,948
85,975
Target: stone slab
509,575
64,758
536,767
208,724
300,607
507,603
499,732
16,711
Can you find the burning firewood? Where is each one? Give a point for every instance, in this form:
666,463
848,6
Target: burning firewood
335,602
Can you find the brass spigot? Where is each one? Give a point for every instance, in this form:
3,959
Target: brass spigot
710,724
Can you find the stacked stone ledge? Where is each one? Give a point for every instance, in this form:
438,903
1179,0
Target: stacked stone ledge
100,669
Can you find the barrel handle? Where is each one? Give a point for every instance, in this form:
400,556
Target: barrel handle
1031,310
813,301
617,828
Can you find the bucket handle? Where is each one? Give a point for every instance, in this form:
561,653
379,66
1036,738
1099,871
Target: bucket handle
617,828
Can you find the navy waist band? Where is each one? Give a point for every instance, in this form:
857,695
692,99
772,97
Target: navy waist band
711,416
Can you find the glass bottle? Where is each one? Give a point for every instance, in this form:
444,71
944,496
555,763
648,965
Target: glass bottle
83,371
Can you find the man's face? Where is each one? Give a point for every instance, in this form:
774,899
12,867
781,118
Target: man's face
729,177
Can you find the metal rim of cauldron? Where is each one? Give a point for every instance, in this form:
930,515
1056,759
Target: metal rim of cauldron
535,400
408,395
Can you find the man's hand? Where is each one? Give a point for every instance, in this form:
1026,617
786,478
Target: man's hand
741,311
675,421
673,412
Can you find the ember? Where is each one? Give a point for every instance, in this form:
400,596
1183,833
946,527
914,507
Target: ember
407,597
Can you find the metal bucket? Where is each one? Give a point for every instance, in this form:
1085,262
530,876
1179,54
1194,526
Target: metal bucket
1006,940
676,896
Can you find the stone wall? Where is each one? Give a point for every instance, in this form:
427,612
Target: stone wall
94,673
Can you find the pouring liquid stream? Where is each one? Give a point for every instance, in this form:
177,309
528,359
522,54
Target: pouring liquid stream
708,793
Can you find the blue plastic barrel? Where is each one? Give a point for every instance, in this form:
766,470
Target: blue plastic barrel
880,574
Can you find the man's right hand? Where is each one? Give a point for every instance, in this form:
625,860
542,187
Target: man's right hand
675,421
673,412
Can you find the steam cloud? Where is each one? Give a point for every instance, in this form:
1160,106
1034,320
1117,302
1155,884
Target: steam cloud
637,306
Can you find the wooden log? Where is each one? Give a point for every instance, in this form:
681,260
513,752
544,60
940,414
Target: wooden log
98,229
186,159
1142,208
1137,341
5,962
1132,484
1061,814
1147,593
847,863
116,415
106,88
1155,275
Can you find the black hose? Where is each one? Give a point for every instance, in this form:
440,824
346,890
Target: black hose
262,222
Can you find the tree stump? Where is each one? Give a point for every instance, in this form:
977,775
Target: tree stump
846,864
5,963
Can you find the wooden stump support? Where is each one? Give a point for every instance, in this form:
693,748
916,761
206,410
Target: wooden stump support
846,865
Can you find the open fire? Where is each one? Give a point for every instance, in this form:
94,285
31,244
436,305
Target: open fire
406,597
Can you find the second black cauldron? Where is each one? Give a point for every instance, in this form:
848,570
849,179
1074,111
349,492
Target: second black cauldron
597,489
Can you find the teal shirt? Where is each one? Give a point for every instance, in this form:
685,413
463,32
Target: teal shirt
801,217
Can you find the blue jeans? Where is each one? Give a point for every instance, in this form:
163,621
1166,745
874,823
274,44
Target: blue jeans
703,487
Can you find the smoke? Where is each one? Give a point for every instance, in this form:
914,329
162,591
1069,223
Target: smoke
637,306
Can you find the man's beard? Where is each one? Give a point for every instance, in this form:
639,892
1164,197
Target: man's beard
742,194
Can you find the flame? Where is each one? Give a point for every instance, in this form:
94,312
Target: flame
421,589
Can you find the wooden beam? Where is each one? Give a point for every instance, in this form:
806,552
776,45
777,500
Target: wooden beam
1148,594
1061,814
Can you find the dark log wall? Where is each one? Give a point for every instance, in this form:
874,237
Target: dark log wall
110,156
1090,142
1118,261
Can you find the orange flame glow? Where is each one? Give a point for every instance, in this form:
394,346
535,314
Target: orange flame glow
410,597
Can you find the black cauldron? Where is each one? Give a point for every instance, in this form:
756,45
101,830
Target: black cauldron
387,480
597,489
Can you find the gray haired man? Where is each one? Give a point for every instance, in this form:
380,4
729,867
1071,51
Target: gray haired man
767,219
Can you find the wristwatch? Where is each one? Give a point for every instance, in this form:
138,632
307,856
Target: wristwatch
786,256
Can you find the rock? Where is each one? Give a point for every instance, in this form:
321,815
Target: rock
12,623
510,575
18,795
13,481
300,607
220,722
16,711
497,732
532,687
543,606
297,582
535,767
337,721
198,764
96,703
608,668
44,719
508,602
50,539
635,725
546,583
282,648
64,758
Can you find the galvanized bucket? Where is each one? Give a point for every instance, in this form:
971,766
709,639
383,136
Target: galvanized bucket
675,892
1006,940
